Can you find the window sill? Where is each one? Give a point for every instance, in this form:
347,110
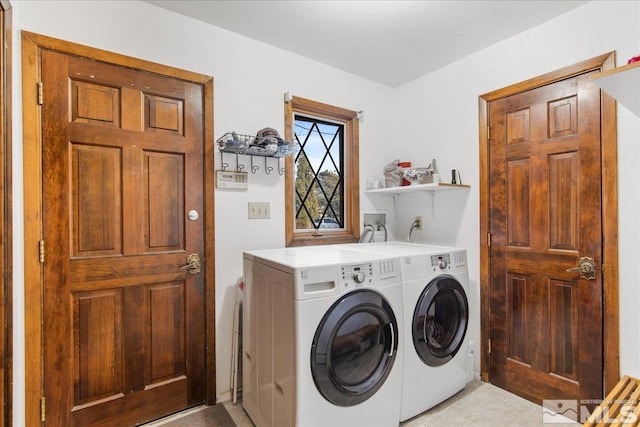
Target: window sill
328,238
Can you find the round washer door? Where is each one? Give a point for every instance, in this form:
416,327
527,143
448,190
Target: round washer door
440,320
354,348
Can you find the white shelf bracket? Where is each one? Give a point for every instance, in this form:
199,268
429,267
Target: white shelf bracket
433,204
396,192
395,205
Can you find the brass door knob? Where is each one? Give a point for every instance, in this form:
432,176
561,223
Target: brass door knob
586,267
193,264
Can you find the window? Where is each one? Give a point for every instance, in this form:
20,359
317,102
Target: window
318,166
322,179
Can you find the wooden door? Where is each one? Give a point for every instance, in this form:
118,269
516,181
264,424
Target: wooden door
123,323
544,214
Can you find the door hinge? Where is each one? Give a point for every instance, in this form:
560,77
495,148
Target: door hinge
489,347
41,251
40,95
488,239
43,408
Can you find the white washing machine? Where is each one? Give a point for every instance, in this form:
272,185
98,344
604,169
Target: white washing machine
436,307
322,337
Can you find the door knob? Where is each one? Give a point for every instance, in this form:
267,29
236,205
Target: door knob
586,267
193,264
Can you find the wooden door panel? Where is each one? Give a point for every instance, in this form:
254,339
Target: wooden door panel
533,314
563,116
98,347
564,336
538,385
518,203
165,343
563,201
517,310
126,148
517,127
523,151
123,78
96,215
545,209
112,137
147,404
536,326
98,273
164,114
164,201
94,103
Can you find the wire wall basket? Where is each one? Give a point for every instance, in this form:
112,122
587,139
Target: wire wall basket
232,142
269,147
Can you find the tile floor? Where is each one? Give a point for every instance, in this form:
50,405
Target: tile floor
478,405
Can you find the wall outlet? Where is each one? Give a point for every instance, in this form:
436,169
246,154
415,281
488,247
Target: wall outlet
259,210
375,219
418,223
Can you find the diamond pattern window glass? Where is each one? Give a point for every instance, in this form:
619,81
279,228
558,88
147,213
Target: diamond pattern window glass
322,189
319,185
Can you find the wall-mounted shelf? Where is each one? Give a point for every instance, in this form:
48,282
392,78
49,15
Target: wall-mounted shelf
242,167
246,145
391,191
395,192
622,83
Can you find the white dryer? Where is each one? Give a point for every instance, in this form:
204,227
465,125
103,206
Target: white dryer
322,337
436,350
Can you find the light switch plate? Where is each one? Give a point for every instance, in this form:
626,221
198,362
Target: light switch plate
259,210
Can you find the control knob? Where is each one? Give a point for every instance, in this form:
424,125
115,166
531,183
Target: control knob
442,263
359,277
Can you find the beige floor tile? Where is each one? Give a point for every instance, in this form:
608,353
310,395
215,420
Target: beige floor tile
478,405
483,405
238,414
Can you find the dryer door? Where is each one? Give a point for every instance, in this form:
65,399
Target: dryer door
354,348
440,320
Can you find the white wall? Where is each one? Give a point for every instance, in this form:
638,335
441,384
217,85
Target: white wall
433,117
250,79
437,116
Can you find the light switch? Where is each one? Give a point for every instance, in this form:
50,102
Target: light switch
259,210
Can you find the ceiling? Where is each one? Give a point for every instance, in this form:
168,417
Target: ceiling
391,42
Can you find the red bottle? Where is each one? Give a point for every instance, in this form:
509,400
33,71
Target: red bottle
404,165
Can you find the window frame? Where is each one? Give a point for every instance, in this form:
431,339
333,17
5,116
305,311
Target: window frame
351,174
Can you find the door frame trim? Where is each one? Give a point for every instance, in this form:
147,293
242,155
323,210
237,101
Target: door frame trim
6,229
32,46
609,141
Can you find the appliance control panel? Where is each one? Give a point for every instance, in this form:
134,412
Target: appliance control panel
453,261
357,274
440,261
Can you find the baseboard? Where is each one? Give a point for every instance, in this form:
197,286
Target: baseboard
223,397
